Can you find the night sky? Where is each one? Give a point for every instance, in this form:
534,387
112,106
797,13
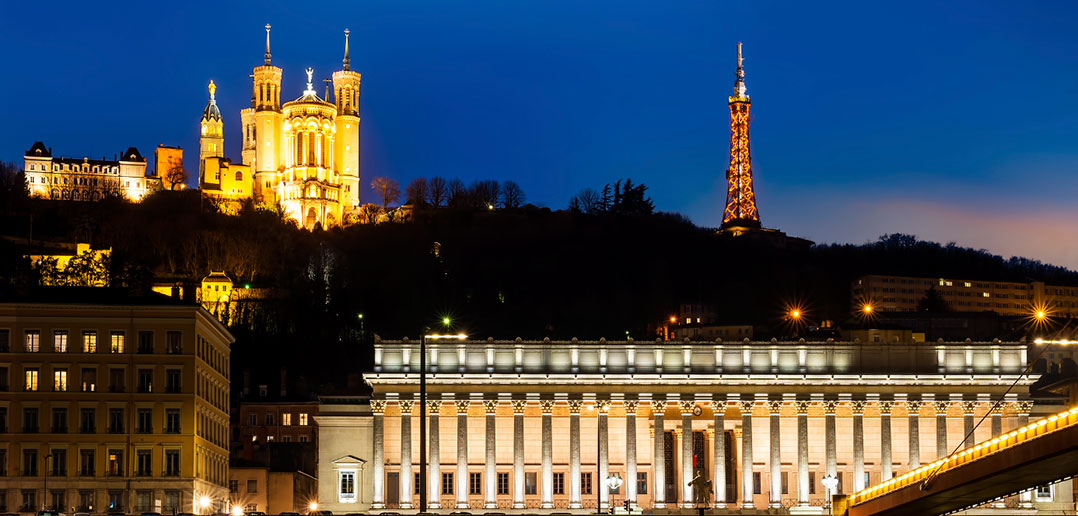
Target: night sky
954,121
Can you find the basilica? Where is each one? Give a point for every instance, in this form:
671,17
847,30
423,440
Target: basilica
302,155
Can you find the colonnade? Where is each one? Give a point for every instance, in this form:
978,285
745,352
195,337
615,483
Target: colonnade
690,410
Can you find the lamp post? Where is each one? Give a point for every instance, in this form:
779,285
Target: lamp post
613,482
45,494
423,407
203,503
829,484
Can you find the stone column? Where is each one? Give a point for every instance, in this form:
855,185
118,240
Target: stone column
997,420
747,494
858,408
574,453
687,473
462,453
886,464
630,452
547,495
968,409
518,453
658,409
601,409
1022,409
406,490
434,472
831,466
718,478
490,482
913,410
941,429
378,497
774,408
802,453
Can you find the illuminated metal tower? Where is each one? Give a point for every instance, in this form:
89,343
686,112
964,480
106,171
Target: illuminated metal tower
740,198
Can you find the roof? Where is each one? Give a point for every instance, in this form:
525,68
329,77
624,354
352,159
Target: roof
39,149
132,154
112,296
211,112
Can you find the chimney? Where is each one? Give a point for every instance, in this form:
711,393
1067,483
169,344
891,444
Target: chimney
284,382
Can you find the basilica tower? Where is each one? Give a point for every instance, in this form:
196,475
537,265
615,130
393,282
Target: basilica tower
211,142
264,126
740,209
346,96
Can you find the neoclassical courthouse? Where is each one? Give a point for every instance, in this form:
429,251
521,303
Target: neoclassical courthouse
517,426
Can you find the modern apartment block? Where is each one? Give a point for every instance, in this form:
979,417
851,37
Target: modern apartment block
902,293
111,402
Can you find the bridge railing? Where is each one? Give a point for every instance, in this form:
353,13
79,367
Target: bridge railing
965,456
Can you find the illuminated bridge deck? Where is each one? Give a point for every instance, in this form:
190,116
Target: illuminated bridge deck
1039,453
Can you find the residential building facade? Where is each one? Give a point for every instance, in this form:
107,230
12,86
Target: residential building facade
85,179
903,293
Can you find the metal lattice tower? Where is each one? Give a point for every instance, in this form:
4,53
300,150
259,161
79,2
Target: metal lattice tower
740,198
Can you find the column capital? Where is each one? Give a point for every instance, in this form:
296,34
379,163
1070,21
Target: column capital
687,407
574,406
858,407
718,407
803,407
676,432
747,406
547,406
1023,408
490,406
830,407
462,406
885,407
601,406
519,406
774,407
630,406
433,407
405,406
378,407
941,407
913,407
658,406
969,407
997,409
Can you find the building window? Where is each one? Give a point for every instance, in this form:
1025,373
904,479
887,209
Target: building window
641,483
347,491
89,379
116,420
4,385
29,463
89,341
172,381
88,420
59,380
1044,493
116,463
812,482
145,342
33,341
475,483
59,463
86,500
59,341
286,419
559,483
116,501
5,341
530,483
785,482
172,421
447,483
303,438
29,420
116,380
415,484
59,420
868,478
116,342
233,486
756,488
172,501
269,419
252,486
57,499
3,463
145,380
86,464
252,419
31,378
585,483
143,463
143,500
503,483
145,421
174,342
302,419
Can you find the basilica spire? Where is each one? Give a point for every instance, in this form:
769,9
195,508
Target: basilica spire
346,59
212,112
267,45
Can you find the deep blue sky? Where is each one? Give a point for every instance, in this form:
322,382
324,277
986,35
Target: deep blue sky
954,121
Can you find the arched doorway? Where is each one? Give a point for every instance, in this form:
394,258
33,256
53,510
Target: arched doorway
312,218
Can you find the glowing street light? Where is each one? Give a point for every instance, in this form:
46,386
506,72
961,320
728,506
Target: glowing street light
867,308
830,483
237,510
446,321
312,507
204,503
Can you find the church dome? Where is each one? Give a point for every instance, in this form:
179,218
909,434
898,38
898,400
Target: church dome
212,112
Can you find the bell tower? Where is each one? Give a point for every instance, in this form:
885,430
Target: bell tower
346,97
265,128
211,142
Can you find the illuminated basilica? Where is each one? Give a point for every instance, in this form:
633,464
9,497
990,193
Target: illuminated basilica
302,154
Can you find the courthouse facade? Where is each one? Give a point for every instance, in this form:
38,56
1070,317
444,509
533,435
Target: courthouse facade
543,426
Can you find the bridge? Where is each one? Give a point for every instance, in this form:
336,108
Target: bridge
1042,452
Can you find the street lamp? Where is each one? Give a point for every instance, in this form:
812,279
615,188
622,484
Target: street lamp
423,407
829,484
204,503
613,482
312,507
237,510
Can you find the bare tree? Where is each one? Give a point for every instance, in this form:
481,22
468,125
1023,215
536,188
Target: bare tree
388,189
512,195
175,176
458,194
368,213
485,193
416,192
587,201
437,191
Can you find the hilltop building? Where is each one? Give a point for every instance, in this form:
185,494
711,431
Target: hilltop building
903,293
85,179
302,154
